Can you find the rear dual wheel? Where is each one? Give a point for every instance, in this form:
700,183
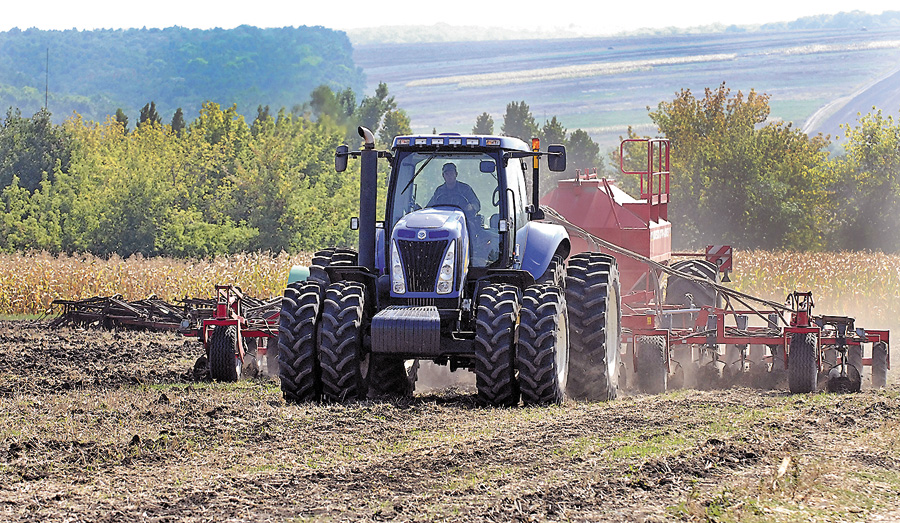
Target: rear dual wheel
341,357
542,353
593,301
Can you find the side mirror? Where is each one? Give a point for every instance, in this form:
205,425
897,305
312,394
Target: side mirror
487,166
556,159
340,158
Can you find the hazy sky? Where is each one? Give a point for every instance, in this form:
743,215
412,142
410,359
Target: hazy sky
600,17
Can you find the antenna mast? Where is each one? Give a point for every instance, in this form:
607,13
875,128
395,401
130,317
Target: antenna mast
47,81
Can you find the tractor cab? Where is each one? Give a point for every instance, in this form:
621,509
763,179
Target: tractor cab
455,206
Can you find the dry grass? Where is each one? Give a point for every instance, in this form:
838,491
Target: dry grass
29,283
864,285
860,284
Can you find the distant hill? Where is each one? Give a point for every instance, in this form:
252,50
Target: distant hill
442,32
96,72
604,85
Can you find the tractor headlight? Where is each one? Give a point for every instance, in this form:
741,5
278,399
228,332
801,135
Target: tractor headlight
397,277
445,278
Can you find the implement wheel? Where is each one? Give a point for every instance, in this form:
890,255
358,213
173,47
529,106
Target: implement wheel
340,343
224,364
542,354
651,373
297,328
495,325
592,297
879,365
802,363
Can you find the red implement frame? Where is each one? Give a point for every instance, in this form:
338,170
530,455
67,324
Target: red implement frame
638,234
229,311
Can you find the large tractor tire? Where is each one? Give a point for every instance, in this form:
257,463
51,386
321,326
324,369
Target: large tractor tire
542,353
298,322
593,300
328,257
341,355
879,365
802,363
495,326
223,362
389,377
555,273
652,372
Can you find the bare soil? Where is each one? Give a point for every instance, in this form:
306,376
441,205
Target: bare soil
100,426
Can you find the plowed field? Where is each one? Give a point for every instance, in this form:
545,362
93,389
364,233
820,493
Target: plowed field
100,426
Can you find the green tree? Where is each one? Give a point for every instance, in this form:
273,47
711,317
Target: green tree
866,186
553,132
149,114
396,123
122,119
736,179
519,122
32,149
263,119
373,108
581,151
178,123
484,124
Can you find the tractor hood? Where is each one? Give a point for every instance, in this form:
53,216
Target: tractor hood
431,218
429,253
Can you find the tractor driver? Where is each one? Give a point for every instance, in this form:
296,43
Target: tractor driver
453,192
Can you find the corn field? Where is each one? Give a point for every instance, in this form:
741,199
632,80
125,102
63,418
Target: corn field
863,285
860,284
29,283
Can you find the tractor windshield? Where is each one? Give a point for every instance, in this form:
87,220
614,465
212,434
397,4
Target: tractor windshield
453,180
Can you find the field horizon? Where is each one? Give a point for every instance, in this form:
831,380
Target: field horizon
605,84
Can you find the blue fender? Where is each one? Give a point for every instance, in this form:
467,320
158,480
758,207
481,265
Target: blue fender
538,242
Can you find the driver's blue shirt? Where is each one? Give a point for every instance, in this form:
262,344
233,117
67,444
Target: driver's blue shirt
443,195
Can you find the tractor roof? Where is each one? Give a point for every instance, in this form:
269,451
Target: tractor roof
449,141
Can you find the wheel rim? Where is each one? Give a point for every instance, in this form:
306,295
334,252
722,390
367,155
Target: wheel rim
562,351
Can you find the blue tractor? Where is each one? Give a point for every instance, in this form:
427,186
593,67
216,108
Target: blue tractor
462,272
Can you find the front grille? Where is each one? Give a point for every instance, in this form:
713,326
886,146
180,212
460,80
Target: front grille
422,261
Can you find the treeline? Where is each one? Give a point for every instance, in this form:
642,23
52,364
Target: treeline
218,185
91,71
739,179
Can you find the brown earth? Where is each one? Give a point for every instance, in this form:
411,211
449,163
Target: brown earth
99,426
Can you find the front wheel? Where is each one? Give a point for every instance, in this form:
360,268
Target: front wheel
340,349
495,327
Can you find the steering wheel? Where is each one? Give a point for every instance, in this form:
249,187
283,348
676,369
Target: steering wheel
454,200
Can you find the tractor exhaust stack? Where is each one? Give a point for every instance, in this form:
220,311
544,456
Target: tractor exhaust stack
368,186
